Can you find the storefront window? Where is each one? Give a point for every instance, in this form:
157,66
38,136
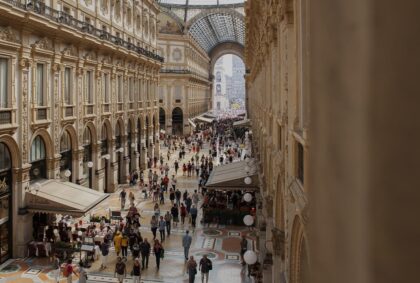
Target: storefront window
38,162
5,202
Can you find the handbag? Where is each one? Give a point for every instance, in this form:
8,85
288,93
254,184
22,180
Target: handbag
162,253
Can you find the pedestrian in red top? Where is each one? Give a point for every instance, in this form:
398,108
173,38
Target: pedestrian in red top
183,213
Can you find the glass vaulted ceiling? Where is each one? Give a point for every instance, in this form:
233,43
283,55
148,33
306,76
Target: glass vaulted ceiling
223,24
201,2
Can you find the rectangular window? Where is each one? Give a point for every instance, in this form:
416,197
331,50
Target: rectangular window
89,87
4,82
279,137
131,89
120,89
140,90
40,84
106,88
67,86
300,162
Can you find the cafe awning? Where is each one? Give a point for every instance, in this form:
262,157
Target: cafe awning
192,123
209,115
232,176
242,123
53,196
204,119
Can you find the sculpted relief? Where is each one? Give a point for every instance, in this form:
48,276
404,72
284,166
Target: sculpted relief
167,25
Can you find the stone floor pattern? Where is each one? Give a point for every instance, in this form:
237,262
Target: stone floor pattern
220,243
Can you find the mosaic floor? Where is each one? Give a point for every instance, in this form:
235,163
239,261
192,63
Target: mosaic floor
220,243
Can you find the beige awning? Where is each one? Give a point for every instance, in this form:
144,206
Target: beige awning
232,176
242,123
192,123
209,115
53,196
204,119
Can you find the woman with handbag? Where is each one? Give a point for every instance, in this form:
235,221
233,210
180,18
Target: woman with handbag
191,269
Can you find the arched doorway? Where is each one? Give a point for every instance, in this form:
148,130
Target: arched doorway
105,137
119,150
139,130
162,118
38,159
87,155
66,155
130,148
177,121
6,212
299,264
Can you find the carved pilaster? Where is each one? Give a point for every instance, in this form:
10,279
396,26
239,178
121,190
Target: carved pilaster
25,65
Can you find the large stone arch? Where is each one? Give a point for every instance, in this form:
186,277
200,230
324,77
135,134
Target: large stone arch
93,132
298,253
226,48
108,126
13,149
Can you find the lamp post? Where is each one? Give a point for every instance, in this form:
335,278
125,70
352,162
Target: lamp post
119,152
106,157
90,165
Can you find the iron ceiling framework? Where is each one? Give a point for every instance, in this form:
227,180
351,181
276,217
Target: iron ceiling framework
209,22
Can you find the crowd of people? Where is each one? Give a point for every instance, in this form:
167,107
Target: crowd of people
158,184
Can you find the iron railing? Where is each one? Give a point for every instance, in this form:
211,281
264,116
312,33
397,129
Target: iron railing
60,17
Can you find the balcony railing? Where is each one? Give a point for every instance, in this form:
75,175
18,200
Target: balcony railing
5,117
60,17
68,111
89,109
41,114
105,108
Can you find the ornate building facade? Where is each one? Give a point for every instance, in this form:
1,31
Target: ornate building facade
78,91
184,89
277,88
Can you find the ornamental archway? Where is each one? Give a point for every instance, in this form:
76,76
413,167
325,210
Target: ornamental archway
177,122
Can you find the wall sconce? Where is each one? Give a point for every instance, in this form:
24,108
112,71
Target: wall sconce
35,187
67,173
106,156
119,149
90,164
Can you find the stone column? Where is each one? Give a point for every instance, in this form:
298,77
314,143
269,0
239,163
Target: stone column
365,135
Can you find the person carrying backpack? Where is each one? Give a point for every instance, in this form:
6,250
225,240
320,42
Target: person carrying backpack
205,266
104,254
69,271
120,270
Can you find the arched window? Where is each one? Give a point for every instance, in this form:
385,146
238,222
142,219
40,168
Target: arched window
65,142
37,158
87,137
5,160
37,149
117,136
87,149
104,140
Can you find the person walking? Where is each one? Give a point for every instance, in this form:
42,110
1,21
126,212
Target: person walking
175,213
178,197
191,269
104,254
158,250
162,226
124,245
117,242
205,266
131,198
120,270
183,213
193,213
82,274
69,271
123,194
168,219
154,226
57,270
136,271
186,243
145,253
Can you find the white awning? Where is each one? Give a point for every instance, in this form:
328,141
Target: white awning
204,119
192,123
209,115
242,123
232,176
53,196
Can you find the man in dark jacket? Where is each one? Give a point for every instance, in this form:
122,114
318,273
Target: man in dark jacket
145,253
205,266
